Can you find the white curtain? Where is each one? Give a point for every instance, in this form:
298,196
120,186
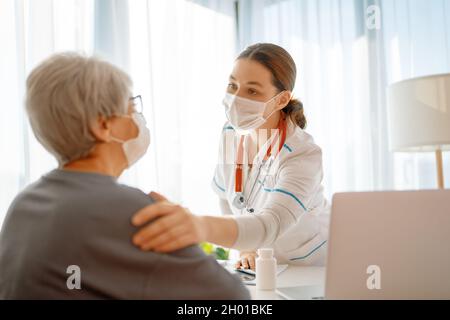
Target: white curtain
343,70
29,32
181,53
416,41
178,53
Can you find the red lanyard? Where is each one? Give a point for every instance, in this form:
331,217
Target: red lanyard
240,153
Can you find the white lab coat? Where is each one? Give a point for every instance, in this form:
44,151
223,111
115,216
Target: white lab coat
291,214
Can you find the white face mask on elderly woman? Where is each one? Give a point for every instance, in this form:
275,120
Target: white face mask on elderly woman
135,148
245,114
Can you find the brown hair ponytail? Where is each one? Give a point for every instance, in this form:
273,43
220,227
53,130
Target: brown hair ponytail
280,63
294,109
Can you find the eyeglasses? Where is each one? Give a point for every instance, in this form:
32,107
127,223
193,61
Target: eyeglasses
137,104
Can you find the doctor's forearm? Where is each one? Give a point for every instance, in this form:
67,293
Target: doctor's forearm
222,231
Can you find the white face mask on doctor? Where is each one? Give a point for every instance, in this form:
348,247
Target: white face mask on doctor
135,148
246,115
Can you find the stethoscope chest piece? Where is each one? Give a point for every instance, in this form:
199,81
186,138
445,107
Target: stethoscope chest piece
239,201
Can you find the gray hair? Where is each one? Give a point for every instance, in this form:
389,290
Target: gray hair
66,94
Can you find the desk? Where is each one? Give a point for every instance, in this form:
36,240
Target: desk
291,277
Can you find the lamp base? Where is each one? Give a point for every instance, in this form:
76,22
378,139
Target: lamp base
440,169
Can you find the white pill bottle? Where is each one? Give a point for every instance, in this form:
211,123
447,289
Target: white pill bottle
266,270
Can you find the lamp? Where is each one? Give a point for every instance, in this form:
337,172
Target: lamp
419,117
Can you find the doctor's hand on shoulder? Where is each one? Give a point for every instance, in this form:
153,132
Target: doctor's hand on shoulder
166,227
174,227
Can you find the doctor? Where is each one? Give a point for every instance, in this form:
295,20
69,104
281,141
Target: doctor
268,177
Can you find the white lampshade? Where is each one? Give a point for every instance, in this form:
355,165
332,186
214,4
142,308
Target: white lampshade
419,114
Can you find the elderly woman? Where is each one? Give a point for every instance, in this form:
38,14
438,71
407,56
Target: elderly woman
68,235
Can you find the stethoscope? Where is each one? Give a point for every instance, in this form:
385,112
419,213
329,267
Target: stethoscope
240,201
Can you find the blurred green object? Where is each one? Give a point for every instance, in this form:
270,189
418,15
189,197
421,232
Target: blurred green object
221,253
218,252
207,247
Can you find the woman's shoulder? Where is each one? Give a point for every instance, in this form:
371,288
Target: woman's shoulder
67,191
89,186
301,143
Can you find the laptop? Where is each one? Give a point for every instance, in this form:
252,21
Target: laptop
386,245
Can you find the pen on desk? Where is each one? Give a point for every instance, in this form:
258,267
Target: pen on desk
246,271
